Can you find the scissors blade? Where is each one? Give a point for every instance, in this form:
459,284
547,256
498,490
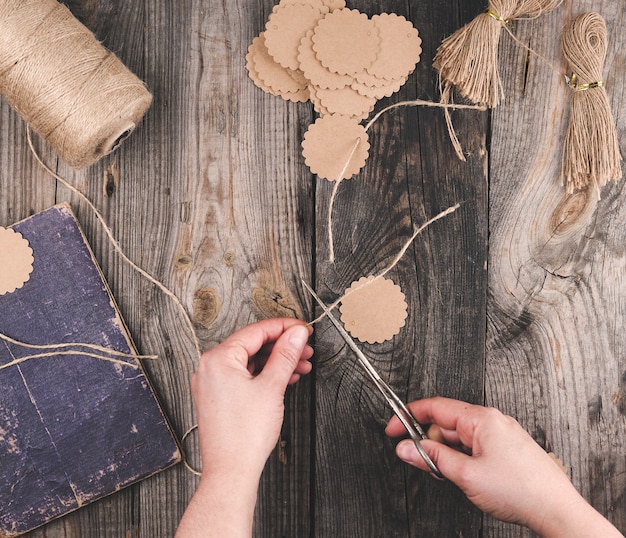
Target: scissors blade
344,334
408,420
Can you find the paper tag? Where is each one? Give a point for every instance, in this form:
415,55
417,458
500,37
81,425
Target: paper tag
16,260
373,309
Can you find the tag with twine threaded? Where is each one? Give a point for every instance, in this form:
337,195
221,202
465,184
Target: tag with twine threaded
73,92
591,154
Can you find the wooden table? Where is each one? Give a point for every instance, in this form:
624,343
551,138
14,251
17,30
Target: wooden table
516,300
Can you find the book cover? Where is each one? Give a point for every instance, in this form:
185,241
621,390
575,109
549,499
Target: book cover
73,426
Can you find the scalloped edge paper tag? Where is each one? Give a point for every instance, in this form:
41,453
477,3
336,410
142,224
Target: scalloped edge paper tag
16,260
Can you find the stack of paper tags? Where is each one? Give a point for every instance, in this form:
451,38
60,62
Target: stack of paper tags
340,60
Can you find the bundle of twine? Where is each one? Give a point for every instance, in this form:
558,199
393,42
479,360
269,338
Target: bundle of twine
468,59
72,91
591,155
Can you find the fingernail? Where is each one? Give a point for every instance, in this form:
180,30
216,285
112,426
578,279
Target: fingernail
406,451
298,336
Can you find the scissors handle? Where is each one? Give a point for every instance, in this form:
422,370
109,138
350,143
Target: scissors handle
407,419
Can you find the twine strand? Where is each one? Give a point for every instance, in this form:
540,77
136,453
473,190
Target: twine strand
415,102
532,51
64,349
65,345
116,246
98,356
186,463
333,194
393,263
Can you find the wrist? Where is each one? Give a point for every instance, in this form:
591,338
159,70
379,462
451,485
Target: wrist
575,518
234,492
223,505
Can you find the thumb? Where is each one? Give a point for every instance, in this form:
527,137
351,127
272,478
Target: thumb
285,355
448,460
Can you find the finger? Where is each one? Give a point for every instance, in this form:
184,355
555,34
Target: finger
435,433
444,412
449,461
304,367
286,355
441,435
258,361
248,341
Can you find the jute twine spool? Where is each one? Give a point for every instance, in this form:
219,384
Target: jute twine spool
468,59
591,154
72,91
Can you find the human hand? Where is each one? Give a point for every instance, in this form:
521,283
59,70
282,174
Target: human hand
500,468
239,391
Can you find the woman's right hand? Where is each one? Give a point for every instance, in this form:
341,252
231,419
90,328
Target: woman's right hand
500,468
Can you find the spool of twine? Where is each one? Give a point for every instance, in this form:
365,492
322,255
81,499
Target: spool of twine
468,59
72,91
591,154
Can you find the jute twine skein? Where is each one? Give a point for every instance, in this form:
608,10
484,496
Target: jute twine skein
468,59
72,91
591,154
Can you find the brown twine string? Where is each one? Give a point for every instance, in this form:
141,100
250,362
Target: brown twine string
72,91
64,349
591,154
188,465
116,246
72,352
393,263
468,59
340,178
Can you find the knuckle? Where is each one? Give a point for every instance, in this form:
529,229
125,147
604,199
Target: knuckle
465,474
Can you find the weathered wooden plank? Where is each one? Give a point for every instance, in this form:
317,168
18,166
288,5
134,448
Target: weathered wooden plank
120,26
250,221
220,217
412,174
556,271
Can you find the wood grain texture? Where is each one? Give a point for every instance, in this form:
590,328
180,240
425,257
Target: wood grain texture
211,195
556,290
412,174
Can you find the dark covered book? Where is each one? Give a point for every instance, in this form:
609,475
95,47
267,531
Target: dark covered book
76,423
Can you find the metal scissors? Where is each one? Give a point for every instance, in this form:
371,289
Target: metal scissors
416,432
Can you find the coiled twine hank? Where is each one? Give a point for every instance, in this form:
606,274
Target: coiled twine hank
591,155
468,59
72,91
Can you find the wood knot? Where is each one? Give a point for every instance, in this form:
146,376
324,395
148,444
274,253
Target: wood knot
274,304
206,307
569,215
183,262
111,179
229,258
619,399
